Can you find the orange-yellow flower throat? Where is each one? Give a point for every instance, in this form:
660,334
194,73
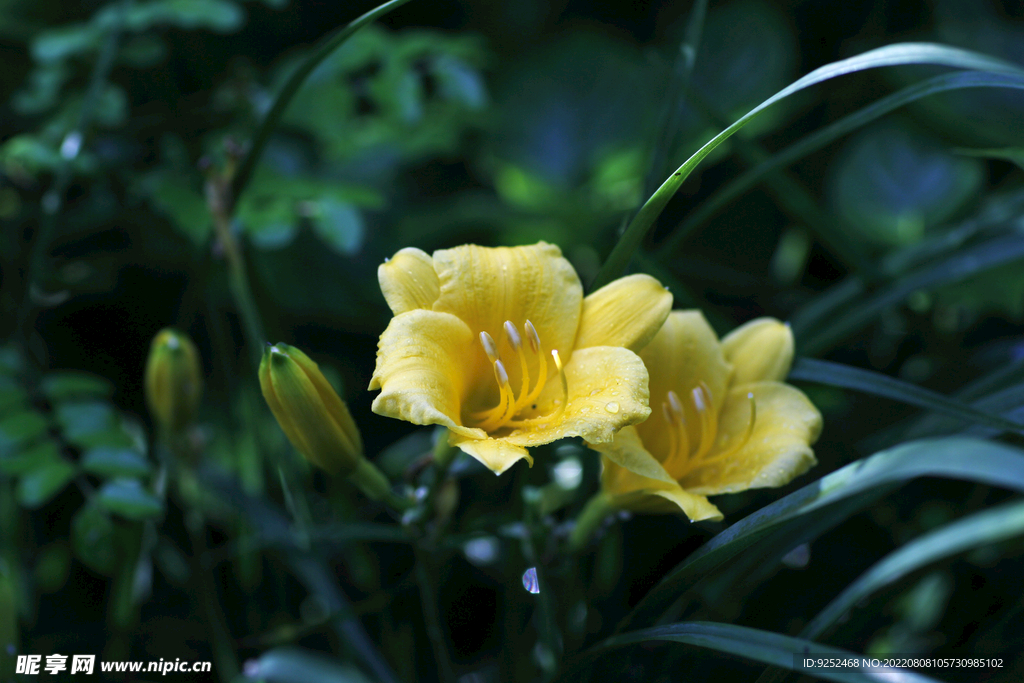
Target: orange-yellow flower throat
509,404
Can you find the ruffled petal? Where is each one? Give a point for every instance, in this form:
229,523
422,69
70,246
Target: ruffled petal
630,491
485,286
496,454
628,452
779,447
408,281
627,312
760,351
683,353
422,370
607,391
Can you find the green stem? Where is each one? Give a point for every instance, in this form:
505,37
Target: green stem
432,617
326,46
53,200
590,518
238,276
223,652
372,482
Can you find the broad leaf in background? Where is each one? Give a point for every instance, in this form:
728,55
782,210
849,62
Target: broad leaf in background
413,93
891,184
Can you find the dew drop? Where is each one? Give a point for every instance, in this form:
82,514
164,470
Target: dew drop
530,582
612,407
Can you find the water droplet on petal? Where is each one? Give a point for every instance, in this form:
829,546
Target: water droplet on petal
530,580
612,407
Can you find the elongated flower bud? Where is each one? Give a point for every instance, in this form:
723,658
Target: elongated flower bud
174,380
314,418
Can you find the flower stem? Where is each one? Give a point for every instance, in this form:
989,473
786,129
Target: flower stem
591,517
432,617
53,200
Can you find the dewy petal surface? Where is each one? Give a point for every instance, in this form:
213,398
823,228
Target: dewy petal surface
627,312
627,452
496,454
408,281
778,449
484,287
422,370
607,391
760,351
630,491
685,352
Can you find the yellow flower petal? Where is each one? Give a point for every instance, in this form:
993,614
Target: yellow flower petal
496,454
778,449
683,353
484,287
627,312
422,370
628,452
630,491
408,281
760,351
607,391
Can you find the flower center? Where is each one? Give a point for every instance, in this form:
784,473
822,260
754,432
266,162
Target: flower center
693,428
511,404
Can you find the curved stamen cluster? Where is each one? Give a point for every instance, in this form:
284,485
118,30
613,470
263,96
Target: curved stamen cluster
691,446
510,404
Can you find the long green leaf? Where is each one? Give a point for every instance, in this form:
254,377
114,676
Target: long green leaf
749,643
891,55
960,266
675,96
324,48
827,135
980,529
846,490
838,375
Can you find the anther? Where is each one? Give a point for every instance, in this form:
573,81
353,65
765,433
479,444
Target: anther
490,348
513,336
500,374
532,336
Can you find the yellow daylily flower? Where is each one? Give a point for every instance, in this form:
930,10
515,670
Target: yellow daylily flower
500,346
723,420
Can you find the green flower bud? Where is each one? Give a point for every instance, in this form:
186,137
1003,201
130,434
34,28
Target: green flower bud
174,380
310,413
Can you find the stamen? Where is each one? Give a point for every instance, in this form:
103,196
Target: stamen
673,438
536,392
506,401
516,342
532,337
561,375
729,452
508,405
513,335
542,371
708,419
677,419
490,348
